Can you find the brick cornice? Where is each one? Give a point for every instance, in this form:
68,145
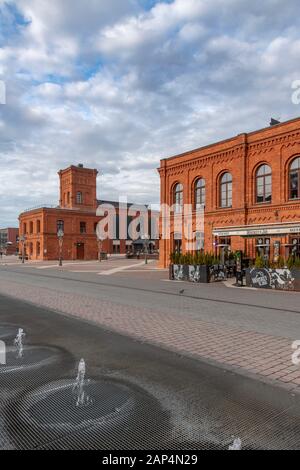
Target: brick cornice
203,160
264,146
286,139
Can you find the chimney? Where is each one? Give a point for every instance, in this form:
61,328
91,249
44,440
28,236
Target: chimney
274,122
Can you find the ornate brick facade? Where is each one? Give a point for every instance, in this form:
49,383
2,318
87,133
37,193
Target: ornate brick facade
76,214
275,220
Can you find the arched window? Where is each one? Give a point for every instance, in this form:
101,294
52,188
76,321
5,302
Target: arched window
79,199
38,249
38,226
178,197
294,179
200,193
226,190
264,184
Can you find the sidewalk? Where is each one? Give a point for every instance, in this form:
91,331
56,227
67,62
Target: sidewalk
248,352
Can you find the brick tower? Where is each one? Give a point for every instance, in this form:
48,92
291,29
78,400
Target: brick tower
78,188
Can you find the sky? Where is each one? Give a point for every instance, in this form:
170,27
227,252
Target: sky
120,84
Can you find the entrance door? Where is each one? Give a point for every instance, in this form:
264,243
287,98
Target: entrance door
80,251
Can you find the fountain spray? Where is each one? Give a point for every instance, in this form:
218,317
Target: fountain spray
81,399
18,342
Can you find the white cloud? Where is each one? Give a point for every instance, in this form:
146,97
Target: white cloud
114,86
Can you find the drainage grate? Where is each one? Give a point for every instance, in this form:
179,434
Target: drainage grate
138,397
115,414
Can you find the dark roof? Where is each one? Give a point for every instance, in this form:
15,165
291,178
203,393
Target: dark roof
116,204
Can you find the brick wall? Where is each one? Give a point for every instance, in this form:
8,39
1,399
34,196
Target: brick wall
241,156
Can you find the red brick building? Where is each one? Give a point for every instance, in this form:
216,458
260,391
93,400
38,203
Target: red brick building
76,216
249,187
9,240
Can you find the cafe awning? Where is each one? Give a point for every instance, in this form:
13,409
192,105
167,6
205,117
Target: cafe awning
258,230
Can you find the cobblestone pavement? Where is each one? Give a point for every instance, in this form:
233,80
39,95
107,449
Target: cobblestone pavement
250,352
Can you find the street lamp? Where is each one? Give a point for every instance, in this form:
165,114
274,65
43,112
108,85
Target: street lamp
146,239
60,236
23,241
100,241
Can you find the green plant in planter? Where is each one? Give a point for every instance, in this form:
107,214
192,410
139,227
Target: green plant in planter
293,262
281,262
290,262
260,262
191,259
200,258
175,258
297,262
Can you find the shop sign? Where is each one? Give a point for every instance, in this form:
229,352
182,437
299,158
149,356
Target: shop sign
243,232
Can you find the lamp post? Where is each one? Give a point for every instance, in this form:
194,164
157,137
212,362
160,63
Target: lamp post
23,241
60,236
100,241
146,239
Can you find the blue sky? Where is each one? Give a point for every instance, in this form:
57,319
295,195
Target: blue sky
118,85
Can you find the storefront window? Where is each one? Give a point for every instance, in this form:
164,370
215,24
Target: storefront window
263,247
177,244
295,246
224,246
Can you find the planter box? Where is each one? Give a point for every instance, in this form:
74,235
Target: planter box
296,277
191,273
279,279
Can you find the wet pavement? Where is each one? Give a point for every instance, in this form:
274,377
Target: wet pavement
142,397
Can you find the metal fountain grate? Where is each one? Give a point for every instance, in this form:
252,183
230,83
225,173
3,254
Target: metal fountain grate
140,397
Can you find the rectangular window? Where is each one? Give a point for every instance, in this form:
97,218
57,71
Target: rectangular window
294,185
82,227
60,225
79,198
